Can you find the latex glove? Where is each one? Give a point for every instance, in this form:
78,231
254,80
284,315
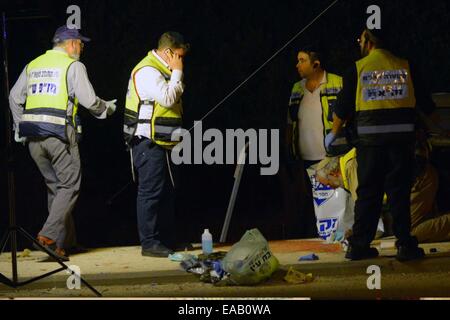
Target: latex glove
110,106
329,139
18,139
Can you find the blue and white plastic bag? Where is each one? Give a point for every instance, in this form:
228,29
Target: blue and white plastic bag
334,210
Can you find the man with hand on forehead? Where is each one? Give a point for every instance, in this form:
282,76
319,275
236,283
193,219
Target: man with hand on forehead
153,114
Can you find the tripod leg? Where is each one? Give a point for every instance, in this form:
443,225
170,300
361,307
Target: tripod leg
98,294
14,254
10,234
6,281
4,241
15,283
58,260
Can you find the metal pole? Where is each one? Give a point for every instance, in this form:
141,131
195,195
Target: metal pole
9,156
237,182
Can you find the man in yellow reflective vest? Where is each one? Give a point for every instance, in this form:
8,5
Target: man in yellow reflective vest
381,98
44,103
310,110
153,113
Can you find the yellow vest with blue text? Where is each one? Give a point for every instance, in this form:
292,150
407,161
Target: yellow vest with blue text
164,120
328,98
45,113
385,100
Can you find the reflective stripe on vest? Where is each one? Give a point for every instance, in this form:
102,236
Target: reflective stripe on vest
44,118
45,111
164,120
395,128
385,99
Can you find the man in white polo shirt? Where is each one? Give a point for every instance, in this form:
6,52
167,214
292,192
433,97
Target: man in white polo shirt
310,117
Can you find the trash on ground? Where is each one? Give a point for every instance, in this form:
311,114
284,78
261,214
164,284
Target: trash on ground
197,270
178,257
190,263
309,257
25,254
249,261
296,277
219,255
208,267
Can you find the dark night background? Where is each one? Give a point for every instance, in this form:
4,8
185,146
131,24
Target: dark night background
230,39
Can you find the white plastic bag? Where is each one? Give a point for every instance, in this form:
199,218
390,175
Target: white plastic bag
331,209
334,210
250,260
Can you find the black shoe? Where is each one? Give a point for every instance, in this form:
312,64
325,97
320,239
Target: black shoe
408,253
157,251
409,250
361,253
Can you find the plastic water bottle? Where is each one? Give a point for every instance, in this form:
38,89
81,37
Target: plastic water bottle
207,243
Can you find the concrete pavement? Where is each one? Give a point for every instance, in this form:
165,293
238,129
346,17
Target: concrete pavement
123,272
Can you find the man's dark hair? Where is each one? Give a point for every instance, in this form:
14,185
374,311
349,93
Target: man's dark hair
172,40
315,53
376,36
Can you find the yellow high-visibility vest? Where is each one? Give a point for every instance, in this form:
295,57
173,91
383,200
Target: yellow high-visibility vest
164,120
47,100
385,100
328,98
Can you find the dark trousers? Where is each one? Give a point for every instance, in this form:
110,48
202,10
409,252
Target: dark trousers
155,196
383,169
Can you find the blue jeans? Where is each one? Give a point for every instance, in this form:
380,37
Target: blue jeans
155,196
